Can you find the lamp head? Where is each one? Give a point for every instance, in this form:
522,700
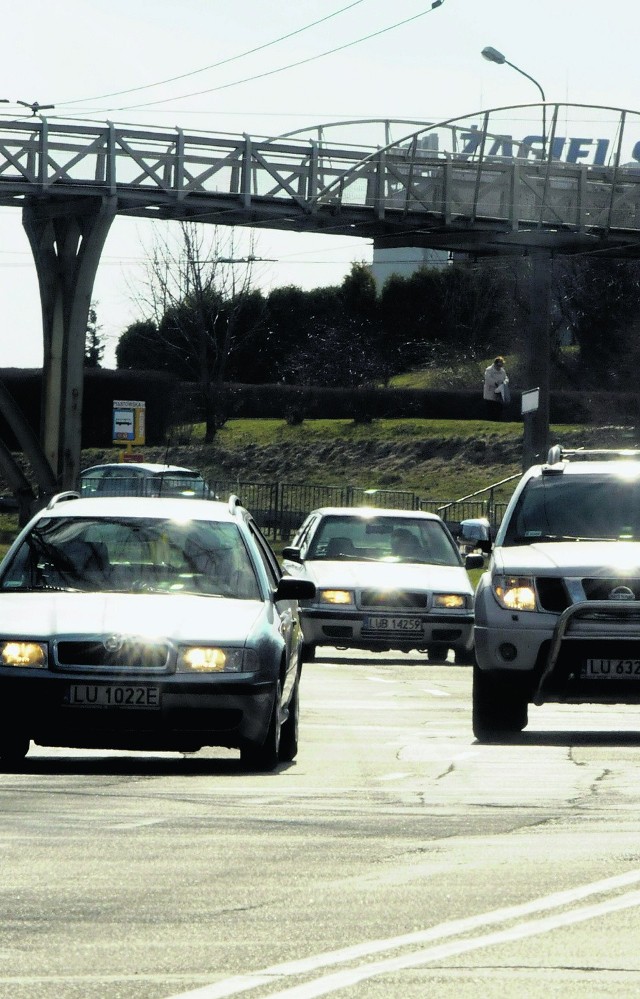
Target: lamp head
493,55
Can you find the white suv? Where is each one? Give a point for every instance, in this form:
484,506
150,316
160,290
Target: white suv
557,614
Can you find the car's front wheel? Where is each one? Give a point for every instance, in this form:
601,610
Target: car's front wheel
289,730
464,657
308,652
13,748
500,707
265,756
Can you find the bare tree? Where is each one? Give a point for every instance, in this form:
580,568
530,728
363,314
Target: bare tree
197,285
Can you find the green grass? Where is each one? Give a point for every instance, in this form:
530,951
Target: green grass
238,433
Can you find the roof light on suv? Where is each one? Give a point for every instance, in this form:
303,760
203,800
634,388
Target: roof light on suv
559,454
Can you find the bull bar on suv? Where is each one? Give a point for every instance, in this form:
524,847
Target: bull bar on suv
558,610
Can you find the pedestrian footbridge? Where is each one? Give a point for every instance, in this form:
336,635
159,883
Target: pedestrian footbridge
546,177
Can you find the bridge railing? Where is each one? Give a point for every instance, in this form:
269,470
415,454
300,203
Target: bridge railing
466,170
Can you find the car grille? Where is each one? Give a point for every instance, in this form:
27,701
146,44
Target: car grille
599,589
393,598
554,596
131,655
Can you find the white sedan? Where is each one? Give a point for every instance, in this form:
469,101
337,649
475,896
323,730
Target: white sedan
385,579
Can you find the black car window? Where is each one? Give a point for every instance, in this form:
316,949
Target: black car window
304,535
557,506
268,558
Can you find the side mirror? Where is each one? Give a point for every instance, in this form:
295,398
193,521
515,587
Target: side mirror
292,554
292,588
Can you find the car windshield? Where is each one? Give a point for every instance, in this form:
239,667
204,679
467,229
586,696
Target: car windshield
125,482
383,539
577,507
133,555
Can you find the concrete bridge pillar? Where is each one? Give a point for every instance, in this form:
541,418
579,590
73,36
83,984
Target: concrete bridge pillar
67,237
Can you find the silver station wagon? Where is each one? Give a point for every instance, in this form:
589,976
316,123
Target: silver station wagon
148,624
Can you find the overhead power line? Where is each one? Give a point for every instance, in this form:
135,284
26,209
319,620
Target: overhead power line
215,65
281,69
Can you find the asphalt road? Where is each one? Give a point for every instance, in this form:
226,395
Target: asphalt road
395,858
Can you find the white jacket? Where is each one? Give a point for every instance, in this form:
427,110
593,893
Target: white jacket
494,378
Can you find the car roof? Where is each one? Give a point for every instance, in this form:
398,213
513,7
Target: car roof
363,512
146,466
160,507
629,469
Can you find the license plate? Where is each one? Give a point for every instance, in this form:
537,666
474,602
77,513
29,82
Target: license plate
94,695
407,624
611,669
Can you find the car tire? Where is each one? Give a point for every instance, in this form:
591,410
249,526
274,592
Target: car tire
289,731
13,748
438,653
308,652
500,709
265,756
464,657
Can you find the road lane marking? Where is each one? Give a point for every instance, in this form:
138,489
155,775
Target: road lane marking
436,693
457,927
343,979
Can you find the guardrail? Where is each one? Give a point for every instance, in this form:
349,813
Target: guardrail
280,507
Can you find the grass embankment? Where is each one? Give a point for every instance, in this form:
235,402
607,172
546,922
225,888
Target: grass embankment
437,459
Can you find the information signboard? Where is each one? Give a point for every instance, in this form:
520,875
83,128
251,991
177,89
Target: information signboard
128,422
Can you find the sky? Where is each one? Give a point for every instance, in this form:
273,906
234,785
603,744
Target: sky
248,66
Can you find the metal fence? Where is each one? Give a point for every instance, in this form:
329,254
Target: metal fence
280,507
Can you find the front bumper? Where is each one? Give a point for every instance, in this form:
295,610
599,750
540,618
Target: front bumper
551,659
394,630
191,711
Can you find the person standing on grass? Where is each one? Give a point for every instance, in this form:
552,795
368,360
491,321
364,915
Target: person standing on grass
495,389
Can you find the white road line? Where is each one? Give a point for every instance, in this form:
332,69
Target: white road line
436,693
343,979
269,976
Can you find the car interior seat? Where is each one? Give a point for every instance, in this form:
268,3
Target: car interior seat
87,560
340,546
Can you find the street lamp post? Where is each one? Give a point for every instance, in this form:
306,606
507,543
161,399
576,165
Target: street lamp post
492,55
536,438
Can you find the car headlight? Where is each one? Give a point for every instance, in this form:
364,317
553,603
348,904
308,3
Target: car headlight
213,659
20,653
335,596
450,601
515,592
